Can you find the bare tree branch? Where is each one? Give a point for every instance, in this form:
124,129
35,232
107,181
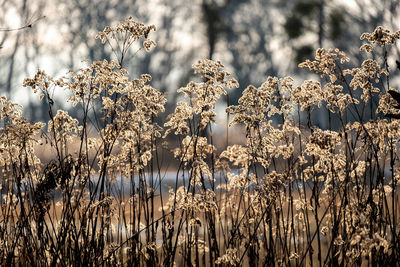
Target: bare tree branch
27,25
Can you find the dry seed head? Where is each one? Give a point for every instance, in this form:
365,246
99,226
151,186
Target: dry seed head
381,36
326,62
136,30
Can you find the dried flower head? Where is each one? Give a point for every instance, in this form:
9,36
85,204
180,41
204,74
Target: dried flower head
381,36
326,62
203,97
124,34
366,77
135,29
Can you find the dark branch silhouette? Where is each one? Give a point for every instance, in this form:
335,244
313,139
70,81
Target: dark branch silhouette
26,26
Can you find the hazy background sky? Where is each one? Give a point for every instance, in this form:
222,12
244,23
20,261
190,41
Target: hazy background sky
254,39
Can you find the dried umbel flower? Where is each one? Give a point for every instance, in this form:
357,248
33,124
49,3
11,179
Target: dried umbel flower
308,95
17,137
41,81
363,77
214,71
326,62
203,98
273,184
133,124
193,149
237,154
323,140
336,100
65,127
389,104
380,132
366,47
201,201
127,31
380,36
179,120
101,77
258,103
230,258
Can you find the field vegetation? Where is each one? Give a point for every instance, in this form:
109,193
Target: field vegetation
291,194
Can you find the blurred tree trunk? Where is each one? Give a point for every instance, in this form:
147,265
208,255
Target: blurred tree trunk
323,115
211,19
12,58
321,20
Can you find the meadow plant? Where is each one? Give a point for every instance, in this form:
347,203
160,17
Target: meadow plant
290,194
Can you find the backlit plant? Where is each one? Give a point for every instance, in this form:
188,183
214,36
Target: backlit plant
290,194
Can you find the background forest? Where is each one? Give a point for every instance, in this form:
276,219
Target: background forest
254,38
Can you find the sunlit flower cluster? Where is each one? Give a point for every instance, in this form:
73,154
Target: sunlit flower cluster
130,29
326,62
381,36
203,98
230,258
17,139
367,78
